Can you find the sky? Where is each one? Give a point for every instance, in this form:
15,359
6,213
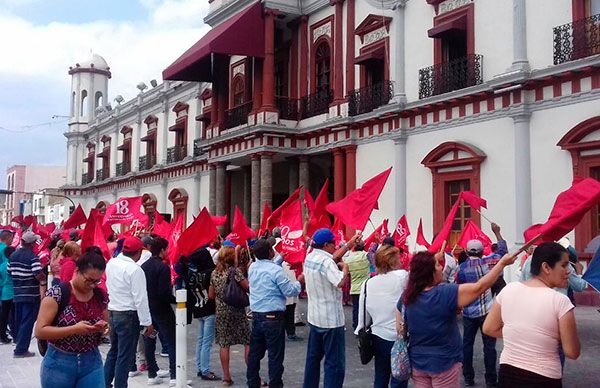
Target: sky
42,38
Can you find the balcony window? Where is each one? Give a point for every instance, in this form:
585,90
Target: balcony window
366,99
578,39
239,91
323,67
453,75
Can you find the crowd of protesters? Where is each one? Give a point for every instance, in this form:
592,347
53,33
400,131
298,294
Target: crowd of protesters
246,295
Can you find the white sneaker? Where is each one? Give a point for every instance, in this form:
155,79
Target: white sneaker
163,373
136,373
154,380
173,382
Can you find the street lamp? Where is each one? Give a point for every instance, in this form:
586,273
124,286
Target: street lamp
10,192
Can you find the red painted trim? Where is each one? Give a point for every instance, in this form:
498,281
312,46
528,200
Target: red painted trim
181,106
596,81
339,173
517,97
436,116
578,9
557,89
539,93
350,46
304,81
467,11
462,110
505,100
423,118
476,107
371,23
575,85
379,45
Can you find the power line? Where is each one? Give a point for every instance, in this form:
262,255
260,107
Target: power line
31,127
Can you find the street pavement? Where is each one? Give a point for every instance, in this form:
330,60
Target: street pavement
24,373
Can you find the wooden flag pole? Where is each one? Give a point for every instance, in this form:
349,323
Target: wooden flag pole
528,244
484,217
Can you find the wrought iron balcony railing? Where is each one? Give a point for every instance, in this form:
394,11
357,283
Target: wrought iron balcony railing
197,147
577,40
453,75
176,153
123,168
100,176
288,107
315,104
147,162
366,99
87,179
238,115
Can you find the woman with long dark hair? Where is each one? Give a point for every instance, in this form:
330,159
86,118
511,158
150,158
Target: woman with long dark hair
430,308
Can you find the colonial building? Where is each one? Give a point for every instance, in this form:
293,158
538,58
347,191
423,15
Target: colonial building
498,97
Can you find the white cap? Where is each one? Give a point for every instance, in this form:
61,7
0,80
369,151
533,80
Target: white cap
474,247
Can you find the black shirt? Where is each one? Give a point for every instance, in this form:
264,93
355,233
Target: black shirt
158,285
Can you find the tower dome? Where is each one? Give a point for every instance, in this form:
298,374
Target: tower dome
95,64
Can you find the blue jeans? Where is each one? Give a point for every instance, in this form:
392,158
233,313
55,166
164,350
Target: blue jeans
25,316
268,334
331,344
125,330
165,324
471,327
71,370
206,335
383,368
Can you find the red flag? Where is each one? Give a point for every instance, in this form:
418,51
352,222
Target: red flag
173,238
568,210
474,200
319,218
77,218
240,231
93,234
292,237
17,220
420,237
472,232
355,209
29,220
339,230
402,232
443,235
201,232
125,211
274,218
219,220
265,219
50,227
161,227
382,230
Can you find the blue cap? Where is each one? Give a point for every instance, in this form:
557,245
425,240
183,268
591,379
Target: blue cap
323,236
228,243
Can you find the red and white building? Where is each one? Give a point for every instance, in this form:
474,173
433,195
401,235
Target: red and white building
499,97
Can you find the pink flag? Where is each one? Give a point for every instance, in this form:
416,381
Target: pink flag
474,200
420,237
401,232
472,232
125,211
240,232
443,235
292,237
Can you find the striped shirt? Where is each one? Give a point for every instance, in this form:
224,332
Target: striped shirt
322,277
23,267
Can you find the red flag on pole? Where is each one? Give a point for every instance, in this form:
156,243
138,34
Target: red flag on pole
474,200
173,238
93,235
125,211
568,210
219,220
274,218
29,220
443,235
77,218
472,232
265,219
401,232
319,218
339,230
17,220
420,237
201,232
355,209
240,231
382,230
292,238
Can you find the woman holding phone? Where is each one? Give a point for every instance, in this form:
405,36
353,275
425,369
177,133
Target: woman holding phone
73,317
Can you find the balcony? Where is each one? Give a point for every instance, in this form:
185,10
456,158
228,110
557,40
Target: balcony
315,104
197,147
100,176
577,40
287,107
366,99
147,162
238,115
86,179
453,75
176,154
123,168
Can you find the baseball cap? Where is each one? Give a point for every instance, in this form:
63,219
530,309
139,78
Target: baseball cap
132,244
29,237
474,246
228,243
147,240
323,236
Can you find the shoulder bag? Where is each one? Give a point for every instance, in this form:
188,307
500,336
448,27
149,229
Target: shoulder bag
233,294
366,348
400,359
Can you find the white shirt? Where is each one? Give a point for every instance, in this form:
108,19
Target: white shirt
322,277
383,292
144,257
450,269
291,274
214,253
126,284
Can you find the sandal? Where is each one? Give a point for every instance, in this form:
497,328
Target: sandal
227,383
263,383
209,376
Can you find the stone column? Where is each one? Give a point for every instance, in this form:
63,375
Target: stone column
338,53
114,153
293,174
255,204
164,203
400,171
350,168
220,195
339,174
266,180
520,61
522,159
399,76
303,171
268,102
194,200
71,171
136,144
212,189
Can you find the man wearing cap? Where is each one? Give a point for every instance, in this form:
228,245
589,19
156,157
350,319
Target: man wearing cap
325,275
26,271
474,314
127,310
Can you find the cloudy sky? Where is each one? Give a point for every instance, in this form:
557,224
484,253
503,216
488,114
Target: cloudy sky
42,38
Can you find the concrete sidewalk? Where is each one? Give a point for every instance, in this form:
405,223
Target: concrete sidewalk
24,373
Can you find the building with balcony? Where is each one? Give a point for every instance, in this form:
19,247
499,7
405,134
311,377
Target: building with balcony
494,97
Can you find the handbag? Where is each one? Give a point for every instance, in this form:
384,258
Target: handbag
366,348
399,357
233,294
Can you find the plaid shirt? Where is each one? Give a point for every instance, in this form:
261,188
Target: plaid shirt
322,277
474,269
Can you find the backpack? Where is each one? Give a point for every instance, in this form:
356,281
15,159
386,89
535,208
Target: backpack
65,298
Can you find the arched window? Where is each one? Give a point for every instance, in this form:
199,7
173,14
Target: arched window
98,100
238,91
323,67
83,109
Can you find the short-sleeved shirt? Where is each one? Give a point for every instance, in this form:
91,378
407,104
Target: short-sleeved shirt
360,270
77,311
23,267
322,277
435,341
530,332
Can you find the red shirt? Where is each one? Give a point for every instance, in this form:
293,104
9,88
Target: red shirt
67,269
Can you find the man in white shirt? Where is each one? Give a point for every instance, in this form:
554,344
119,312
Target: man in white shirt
127,310
324,274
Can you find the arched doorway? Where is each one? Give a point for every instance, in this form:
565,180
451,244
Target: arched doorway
179,198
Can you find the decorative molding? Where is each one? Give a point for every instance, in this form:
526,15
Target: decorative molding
375,35
323,30
451,5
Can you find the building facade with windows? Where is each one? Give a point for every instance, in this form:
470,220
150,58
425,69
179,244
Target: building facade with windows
495,97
